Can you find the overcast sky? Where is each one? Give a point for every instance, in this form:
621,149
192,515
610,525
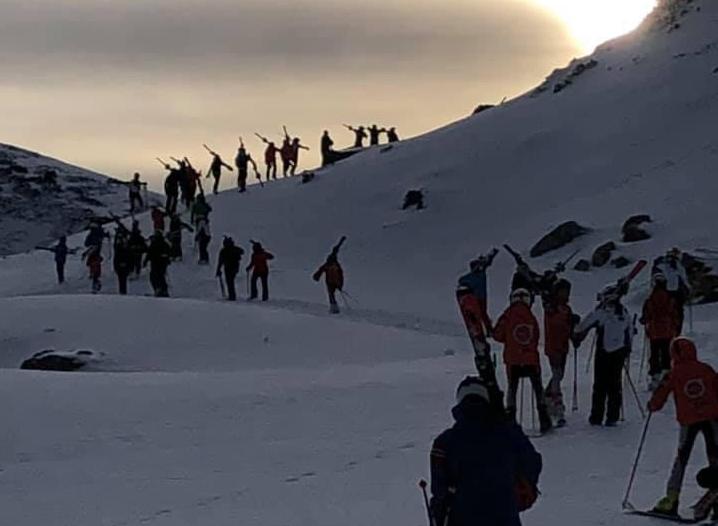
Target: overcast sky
110,84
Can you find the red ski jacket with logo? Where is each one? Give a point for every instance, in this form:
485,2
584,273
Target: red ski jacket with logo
694,386
518,330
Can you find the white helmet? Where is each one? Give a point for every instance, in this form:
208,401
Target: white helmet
522,295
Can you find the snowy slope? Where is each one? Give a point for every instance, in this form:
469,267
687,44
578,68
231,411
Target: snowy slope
43,198
276,414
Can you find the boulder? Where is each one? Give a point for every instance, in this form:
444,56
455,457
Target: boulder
704,283
631,230
582,265
52,360
559,237
602,254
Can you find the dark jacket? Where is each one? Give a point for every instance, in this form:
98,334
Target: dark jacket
475,466
229,258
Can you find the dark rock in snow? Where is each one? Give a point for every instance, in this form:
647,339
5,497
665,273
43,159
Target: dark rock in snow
632,231
559,237
583,265
414,198
602,254
482,107
52,360
704,283
620,262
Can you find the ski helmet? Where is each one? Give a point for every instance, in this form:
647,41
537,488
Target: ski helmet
522,295
472,387
608,294
659,277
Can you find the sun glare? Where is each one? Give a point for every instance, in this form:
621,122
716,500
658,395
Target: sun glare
592,22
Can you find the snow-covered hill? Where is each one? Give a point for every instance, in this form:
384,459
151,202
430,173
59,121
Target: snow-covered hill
43,198
275,414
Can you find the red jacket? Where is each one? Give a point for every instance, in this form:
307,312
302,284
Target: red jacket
518,330
259,262
558,325
660,315
333,275
694,386
158,219
270,155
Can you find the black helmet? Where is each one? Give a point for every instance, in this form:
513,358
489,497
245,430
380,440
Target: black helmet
472,388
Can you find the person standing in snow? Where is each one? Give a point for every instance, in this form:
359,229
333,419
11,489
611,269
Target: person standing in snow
296,146
122,260
228,260
374,134
326,145
95,236
158,257
286,152
661,320
135,191
476,282
484,470
242,161
60,251
391,135
259,265
138,247
174,236
614,330
200,218
677,283
359,135
694,386
172,186
158,219
333,276
559,321
215,170
518,330
270,157
93,260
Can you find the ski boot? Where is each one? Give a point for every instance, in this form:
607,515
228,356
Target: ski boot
668,505
334,308
545,424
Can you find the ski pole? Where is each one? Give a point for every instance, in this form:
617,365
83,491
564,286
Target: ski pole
521,403
533,411
635,392
626,504
574,407
690,317
643,356
422,485
590,354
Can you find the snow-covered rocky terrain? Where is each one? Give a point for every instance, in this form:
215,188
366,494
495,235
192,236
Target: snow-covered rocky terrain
43,198
214,413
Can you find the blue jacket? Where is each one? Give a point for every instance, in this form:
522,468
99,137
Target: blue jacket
475,466
476,281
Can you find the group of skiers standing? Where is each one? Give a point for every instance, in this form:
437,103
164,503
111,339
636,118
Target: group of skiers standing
373,133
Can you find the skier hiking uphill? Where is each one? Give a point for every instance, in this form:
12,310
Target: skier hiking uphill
559,322
228,260
296,146
172,185
662,320
677,283
326,146
694,386
60,251
374,134
475,281
158,257
138,247
93,260
518,330
333,276
158,219
270,157
135,193
614,333
215,168
174,236
242,161
484,470
259,266
122,261
200,218
359,135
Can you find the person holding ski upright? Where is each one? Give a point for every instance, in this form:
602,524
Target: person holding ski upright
518,330
242,161
270,157
694,386
677,283
138,247
537,284
326,146
259,266
333,276
661,319
614,332
135,193
228,260
359,135
60,251
559,321
174,236
215,168
286,153
158,257
172,186
475,281
484,470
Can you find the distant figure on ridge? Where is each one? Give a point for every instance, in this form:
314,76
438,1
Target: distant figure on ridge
215,169
260,270
326,145
359,135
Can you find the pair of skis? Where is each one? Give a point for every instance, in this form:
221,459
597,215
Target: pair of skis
701,511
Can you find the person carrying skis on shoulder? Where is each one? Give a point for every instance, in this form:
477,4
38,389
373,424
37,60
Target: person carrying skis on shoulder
174,236
484,470
60,251
333,276
661,320
677,283
158,257
242,161
286,152
138,247
172,186
559,321
326,145
215,169
518,330
614,333
122,260
359,135
270,157
694,386
259,265
93,260
229,259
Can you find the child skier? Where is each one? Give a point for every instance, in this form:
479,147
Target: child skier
518,330
93,260
559,321
614,329
60,251
661,319
260,270
694,386
333,276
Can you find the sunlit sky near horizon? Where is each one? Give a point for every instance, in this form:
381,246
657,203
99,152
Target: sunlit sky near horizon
110,84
